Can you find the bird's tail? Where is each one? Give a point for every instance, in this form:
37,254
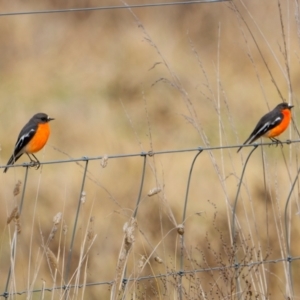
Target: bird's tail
240,148
249,140
11,161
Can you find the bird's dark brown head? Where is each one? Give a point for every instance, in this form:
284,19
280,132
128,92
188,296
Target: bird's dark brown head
41,118
284,105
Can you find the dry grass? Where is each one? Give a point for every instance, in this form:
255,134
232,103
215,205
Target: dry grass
149,80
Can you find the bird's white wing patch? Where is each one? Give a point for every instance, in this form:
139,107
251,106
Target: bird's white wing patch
276,120
23,140
263,129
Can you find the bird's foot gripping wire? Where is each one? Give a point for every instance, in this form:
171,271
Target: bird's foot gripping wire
34,163
276,142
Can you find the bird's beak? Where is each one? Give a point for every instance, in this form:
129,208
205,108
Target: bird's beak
291,106
50,119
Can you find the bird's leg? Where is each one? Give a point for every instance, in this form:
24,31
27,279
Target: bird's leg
276,141
37,162
34,163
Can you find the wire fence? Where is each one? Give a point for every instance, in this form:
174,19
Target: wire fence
239,287
237,264
170,274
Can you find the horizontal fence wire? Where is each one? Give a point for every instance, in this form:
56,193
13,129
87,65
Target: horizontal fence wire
99,8
169,274
150,153
180,273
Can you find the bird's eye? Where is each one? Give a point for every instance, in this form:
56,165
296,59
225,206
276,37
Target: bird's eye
44,119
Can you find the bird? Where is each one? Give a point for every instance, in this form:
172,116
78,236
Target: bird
31,139
271,124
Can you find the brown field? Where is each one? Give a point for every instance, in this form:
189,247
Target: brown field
150,79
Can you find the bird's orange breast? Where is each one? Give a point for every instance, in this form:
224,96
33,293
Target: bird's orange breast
39,139
282,126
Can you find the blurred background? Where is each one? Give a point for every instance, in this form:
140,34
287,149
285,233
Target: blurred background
153,78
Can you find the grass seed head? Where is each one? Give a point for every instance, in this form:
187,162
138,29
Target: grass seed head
51,258
129,232
52,233
91,233
13,215
57,218
141,263
154,191
17,188
18,226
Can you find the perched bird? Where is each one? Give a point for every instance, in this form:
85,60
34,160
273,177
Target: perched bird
272,124
32,138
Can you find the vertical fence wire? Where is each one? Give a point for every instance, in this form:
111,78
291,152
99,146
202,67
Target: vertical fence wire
183,221
233,237
287,240
144,155
74,227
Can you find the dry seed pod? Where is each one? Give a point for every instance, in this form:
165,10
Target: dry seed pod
17,188
180,229
154,191
13,215
104,161
52,233
90,233
128,230
18,226
51,258
141,263
158,259
82,199
57,218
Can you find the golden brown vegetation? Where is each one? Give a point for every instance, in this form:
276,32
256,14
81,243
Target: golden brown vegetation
120,82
